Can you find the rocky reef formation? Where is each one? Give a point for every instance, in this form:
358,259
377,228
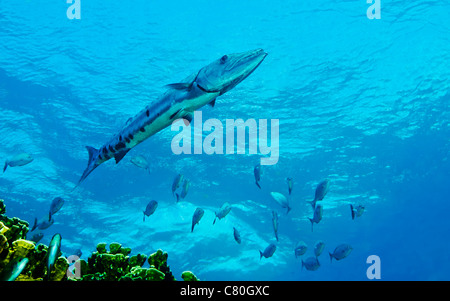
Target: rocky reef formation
114,264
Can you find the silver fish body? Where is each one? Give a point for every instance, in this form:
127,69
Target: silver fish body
18,160
52,253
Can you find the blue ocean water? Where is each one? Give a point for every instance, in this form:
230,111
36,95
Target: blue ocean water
364,103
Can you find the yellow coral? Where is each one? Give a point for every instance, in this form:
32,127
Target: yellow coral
3,228
22,277
22,247
60,269
3,242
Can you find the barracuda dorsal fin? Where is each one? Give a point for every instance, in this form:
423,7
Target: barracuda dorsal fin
180,86
119,156
186,84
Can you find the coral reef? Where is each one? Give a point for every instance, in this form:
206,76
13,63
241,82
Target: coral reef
116,265
102,265
2,207
188,276
12,228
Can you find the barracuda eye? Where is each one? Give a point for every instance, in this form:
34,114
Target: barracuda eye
223,59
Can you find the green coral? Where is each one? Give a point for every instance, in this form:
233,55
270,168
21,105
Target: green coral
2,207
137,260
159,261
17,228
101,248
106,266
116,265
102,265
188,276
114,247
37,265
59,272
11,230
142,274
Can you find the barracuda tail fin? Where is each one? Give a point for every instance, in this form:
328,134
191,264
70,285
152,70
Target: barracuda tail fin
92,164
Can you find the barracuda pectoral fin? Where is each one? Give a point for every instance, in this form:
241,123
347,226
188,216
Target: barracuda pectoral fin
119,156
175,114
182,113
189,116
213,103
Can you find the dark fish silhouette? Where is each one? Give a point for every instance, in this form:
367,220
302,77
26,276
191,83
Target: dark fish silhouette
268,252
318,212
290,183
223,211
275,223
321,190
198,214
150,209
55,206
257,172
237,236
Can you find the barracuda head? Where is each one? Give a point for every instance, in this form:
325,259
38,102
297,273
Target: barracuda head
225,73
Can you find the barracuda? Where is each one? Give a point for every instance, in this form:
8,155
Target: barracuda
179,101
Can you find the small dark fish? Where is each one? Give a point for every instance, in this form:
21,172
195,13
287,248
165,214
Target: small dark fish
318,212
176,182
37,237
341,252
43,223
357,212
223,211
55,206
184,191
53,250
281,200
257,172
78,253
18,160
290,183
268,252
34,225
150,209
237,236
46,224
198,214
321,190
13,269
300,249
275,223
318,248
141,162
311,263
